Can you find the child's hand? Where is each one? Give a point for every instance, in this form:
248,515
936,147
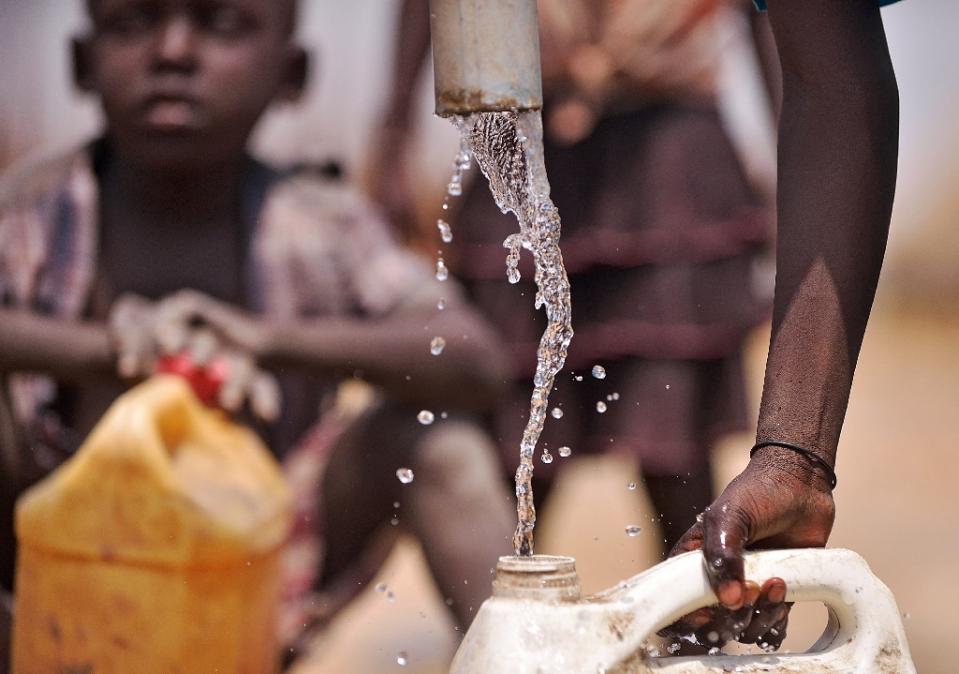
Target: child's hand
779,501
133,330
189,311
211,344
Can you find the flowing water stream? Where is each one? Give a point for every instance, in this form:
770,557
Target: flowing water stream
508,147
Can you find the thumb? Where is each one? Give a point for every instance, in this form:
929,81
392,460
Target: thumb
726,530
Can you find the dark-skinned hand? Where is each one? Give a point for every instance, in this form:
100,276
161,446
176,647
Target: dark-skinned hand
781,500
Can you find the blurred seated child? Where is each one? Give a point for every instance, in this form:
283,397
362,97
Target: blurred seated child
167,220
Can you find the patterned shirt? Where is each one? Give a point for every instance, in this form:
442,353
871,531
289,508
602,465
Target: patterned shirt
316,249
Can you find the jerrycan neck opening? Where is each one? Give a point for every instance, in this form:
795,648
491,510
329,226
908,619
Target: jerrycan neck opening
546,578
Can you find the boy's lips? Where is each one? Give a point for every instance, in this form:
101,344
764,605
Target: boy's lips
170,114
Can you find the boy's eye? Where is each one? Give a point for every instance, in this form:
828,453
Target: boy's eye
130,20
225,20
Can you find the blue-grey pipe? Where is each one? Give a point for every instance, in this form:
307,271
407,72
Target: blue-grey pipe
485,55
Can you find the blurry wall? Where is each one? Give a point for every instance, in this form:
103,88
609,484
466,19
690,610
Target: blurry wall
352,42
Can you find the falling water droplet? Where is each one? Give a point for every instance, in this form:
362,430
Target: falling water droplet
546,457
612,397
405,475
667,387
633,530
455,188
441,304
601,407
446,232
391,596
564,451
631,486
402,659
425,417
442,273
437,344
557,413
578,377
513,275
394,521
599,372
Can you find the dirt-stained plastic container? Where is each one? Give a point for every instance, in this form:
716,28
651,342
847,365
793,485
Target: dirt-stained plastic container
156,548
536,622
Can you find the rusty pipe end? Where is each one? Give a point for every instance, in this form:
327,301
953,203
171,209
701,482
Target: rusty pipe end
485,56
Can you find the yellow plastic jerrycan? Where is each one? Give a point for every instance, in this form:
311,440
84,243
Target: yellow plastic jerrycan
155,549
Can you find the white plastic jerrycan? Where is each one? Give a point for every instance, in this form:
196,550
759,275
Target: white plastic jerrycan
537,623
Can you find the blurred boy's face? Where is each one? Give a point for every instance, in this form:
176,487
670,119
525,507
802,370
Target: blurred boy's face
183,82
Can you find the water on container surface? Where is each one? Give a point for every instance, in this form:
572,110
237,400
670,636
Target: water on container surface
437,344
425,417
508,147
404,475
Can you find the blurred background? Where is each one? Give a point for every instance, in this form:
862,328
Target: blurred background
898,464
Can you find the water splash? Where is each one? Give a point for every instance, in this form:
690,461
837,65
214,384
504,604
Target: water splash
442,272
508,147
446,232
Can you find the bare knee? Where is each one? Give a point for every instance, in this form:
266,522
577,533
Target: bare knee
457,453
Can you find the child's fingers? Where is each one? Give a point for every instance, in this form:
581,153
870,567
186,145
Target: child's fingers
202,346
239,375
265,396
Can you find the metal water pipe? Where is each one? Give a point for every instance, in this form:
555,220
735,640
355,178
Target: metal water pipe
485,56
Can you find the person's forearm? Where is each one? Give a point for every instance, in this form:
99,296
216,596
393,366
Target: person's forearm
65,349
838,149
395,354
412,44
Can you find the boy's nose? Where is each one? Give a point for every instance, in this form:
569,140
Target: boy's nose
176,45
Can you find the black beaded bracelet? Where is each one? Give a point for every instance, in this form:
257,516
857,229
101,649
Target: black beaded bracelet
808,453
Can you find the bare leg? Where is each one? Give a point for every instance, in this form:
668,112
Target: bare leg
462,513
456,505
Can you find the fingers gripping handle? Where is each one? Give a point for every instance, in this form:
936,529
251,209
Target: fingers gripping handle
864,634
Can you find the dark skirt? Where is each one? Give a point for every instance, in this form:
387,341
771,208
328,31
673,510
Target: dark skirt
661,232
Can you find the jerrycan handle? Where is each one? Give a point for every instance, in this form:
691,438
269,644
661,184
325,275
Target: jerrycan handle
864,633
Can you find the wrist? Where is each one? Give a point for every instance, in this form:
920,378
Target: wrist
794,466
